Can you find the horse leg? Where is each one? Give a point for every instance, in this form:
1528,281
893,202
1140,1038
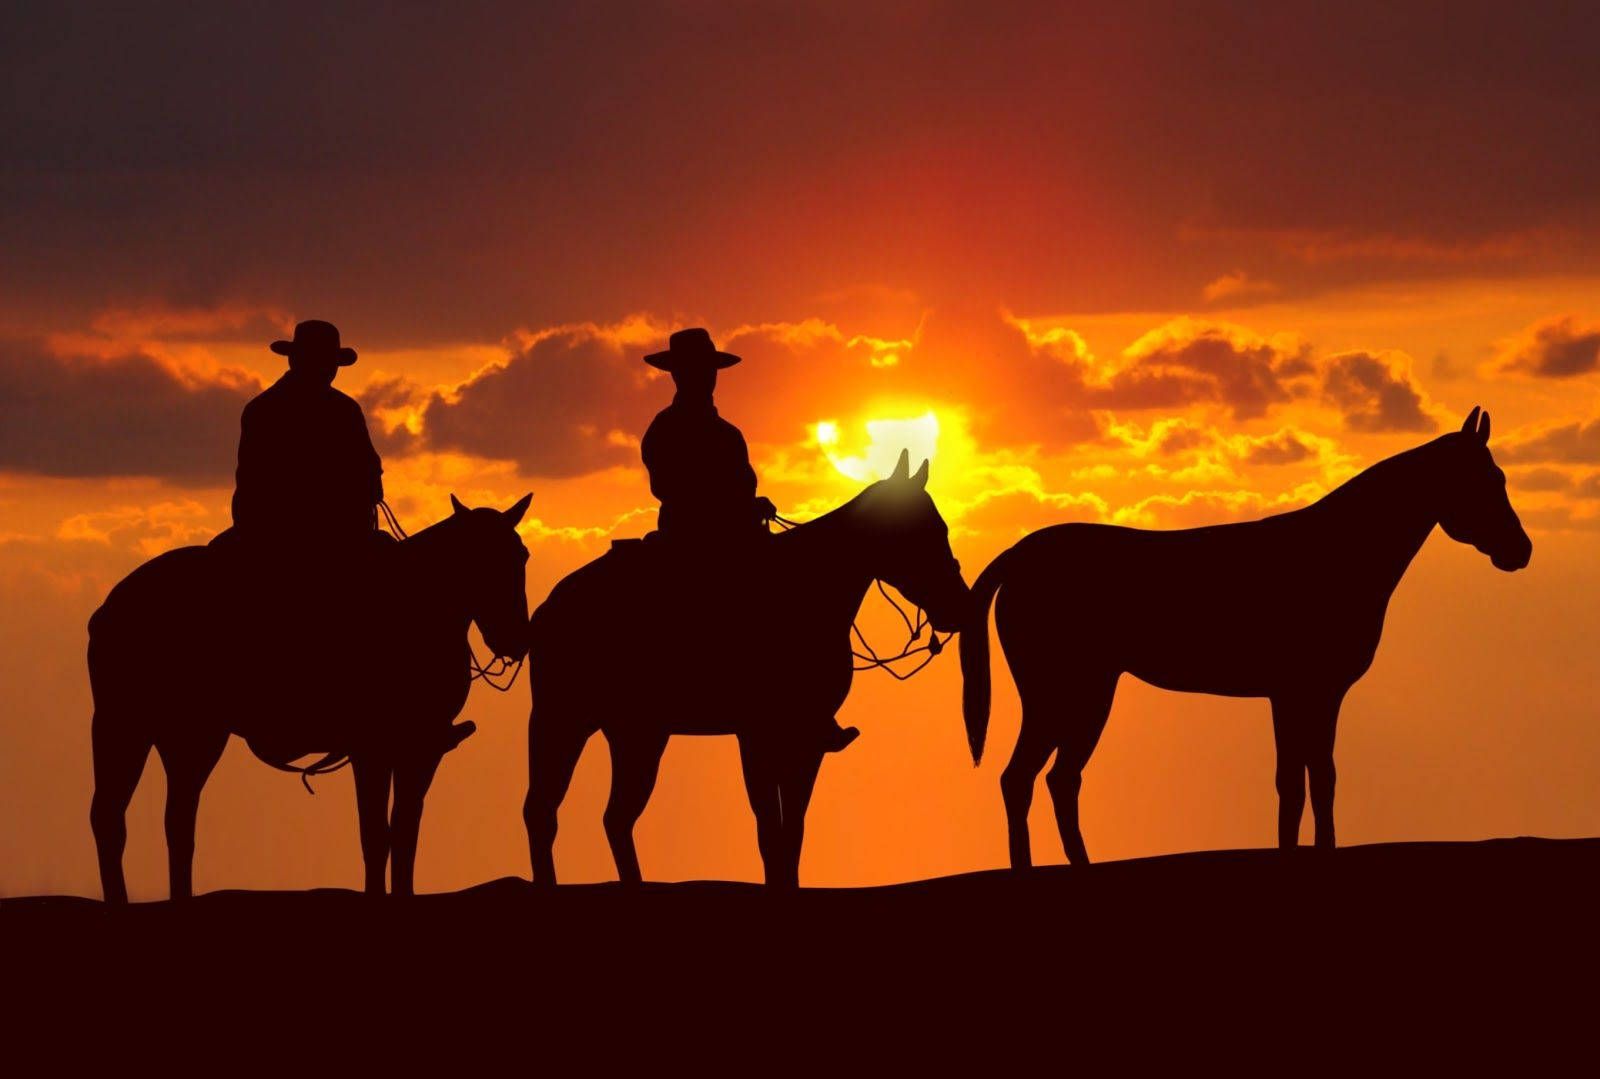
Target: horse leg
118,763
634,764
1085,720
553,752
1289,733
1322,721
412,778
188,763
1034,744
373,777
796,784
761,785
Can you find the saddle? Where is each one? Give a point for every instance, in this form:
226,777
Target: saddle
297,618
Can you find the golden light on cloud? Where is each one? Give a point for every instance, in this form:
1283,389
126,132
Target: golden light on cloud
917,435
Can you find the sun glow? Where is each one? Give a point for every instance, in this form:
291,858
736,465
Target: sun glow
917,435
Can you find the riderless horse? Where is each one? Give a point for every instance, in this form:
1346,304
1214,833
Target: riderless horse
755,650
175,662
1289,608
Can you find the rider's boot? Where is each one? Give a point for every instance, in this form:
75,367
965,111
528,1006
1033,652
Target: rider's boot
835,737
458,733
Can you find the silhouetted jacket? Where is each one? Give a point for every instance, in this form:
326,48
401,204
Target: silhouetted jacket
700,470
306,463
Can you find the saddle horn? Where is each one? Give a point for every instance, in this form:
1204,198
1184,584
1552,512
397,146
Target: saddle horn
455,504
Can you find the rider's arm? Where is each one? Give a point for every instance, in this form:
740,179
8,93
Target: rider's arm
655,467
747,473
371,463
247,476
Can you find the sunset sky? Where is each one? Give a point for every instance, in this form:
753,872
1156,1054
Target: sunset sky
1170,266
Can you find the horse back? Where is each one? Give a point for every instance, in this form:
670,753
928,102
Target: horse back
166,581
1231,609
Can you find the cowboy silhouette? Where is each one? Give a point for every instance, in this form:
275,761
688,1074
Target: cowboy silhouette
305,550
307,468
700,471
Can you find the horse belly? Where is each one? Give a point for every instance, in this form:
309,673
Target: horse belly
1205,659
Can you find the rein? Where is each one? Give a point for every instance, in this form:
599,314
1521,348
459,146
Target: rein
869,659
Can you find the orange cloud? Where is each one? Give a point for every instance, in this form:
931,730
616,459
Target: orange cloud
1238,285
1377,392
147,530
1571,441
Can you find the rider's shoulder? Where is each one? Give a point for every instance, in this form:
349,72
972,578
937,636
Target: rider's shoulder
345,402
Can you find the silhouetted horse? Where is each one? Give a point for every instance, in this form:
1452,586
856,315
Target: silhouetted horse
1289,608
756,650
168,670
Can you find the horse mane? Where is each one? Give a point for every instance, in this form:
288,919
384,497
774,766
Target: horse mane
1380,476
833,518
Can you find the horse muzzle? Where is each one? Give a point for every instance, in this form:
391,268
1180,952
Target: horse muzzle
1517,557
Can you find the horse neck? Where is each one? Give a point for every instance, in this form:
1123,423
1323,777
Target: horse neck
1389,511
429,567
827,565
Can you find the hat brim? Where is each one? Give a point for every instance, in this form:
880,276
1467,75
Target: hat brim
344,357
681,361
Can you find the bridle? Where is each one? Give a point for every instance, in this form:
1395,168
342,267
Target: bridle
867,658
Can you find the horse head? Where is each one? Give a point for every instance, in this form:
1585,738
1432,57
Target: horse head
494,565
1475,509
910,545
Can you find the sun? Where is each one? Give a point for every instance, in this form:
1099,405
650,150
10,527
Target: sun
886,437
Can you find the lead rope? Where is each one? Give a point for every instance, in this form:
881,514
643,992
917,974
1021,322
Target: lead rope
870,659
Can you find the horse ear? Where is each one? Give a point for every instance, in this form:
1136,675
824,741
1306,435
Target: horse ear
513,515
1483,428
1471,423
455,504
921,477
902,468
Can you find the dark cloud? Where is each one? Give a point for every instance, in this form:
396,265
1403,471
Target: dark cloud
1589,486
1189,361
573,401
1375,392
578,398
126,416
1569,442
1555,348
438,173
1287,447
390,393
1179,437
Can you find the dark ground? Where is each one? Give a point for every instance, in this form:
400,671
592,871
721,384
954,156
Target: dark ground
1384,958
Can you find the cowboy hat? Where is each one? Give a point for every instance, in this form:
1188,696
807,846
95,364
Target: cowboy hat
316,339
690,349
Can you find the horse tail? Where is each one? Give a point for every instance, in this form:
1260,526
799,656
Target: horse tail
975,656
